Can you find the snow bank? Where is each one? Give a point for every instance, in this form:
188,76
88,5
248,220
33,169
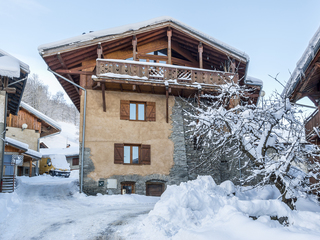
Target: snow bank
71,151
200,209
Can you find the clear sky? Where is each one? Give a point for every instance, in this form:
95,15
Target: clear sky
273,33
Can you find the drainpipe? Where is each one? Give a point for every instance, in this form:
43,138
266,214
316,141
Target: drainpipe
83,122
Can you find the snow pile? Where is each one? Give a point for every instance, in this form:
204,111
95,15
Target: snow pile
59,161
200,209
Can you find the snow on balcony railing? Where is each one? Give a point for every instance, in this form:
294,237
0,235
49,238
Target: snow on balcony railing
147,71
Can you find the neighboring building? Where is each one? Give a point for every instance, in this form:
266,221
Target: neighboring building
13,76
134,76
28,127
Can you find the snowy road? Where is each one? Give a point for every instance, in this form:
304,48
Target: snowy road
52,208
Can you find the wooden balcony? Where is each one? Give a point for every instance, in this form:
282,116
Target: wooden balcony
158,73
312,126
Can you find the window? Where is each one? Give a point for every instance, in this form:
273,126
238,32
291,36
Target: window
75,161
137,111
132,154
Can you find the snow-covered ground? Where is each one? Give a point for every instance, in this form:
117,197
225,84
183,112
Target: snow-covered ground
46,207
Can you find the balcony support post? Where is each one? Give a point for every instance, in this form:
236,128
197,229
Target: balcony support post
169,34
103,88
200,51
134,45
167,104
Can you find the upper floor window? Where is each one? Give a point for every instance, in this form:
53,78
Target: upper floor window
132,154
137,111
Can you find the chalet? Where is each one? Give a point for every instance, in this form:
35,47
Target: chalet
130,81
13,76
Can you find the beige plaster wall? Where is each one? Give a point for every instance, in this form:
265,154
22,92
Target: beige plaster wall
103,129
27,136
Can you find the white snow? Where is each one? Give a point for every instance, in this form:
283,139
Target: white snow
253,81
59,161
69,135
46,207
137,26
71,151
10,66
115,75
33,153
40,115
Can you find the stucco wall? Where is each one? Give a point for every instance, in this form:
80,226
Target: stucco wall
27,136
103,129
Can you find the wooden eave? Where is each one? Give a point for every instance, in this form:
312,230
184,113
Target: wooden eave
309,84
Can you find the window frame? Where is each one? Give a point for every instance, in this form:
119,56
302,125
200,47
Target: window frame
137,111
131,152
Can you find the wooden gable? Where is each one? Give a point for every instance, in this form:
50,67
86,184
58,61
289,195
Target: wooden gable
77,61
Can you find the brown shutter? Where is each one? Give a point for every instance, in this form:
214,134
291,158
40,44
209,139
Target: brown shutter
118,153
124,110
151,111
146,154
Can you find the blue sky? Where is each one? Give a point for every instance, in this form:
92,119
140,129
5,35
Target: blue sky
273,33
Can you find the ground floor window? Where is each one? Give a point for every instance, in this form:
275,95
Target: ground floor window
127,187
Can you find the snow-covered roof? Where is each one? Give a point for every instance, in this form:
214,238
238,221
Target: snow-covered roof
10,66
40,115
16,143
33,154
71,151
253,81
303,63
137,26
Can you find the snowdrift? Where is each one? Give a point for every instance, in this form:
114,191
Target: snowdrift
201,209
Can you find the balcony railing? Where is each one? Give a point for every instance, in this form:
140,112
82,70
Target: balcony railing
312,125
147,71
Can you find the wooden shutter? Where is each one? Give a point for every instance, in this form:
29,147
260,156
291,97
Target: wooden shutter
151,111
124,110
146,154
118,153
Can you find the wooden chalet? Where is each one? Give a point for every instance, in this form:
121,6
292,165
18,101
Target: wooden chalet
305,82
133,76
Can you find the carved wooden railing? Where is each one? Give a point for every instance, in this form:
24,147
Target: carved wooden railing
146,71
312,125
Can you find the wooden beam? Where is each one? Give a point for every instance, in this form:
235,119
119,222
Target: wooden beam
138,89
65,67
200,51
167,105
30,168
169,34
103,87
183,52
134,47
74,72
121,88
100,51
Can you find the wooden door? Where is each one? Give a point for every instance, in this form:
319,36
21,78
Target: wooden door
154,189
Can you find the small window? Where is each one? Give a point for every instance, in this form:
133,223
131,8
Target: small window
131,154
75,161
137,111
